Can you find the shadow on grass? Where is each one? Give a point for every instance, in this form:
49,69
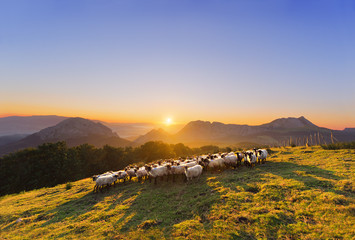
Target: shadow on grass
142,205
167,204
253,181
76,207
306,174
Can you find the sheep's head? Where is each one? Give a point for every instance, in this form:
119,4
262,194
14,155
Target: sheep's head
148,168
202,163
94,177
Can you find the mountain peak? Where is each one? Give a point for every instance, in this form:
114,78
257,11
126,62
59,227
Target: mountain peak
75,127
290,123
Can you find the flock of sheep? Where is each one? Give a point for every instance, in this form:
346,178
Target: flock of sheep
187,169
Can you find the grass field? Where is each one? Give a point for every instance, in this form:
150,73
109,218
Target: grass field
300,193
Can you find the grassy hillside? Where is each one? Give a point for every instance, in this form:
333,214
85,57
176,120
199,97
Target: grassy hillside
303,193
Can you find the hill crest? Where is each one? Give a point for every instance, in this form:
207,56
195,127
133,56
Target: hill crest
74,131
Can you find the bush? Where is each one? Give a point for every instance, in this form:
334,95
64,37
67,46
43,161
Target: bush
68,186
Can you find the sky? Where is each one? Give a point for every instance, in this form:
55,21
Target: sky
242,62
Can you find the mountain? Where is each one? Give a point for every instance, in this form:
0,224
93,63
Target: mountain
289,123
27,125
74,128
154,135
17,125
74,131
197,133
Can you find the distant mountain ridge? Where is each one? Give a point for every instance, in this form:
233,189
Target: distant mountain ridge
289,123
74,128
25,125
74,131
197,133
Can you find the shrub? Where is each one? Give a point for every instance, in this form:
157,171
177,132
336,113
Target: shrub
68,186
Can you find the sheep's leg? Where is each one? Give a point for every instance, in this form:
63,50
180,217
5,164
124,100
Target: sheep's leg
155,180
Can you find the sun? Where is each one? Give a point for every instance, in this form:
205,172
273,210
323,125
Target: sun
168,121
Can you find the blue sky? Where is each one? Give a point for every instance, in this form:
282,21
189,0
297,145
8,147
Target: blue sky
133,61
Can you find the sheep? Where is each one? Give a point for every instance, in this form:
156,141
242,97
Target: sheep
240,157
250,158
189,164
121,175
231,160
103,174
217,163
141,173
192,172
130,172
105,180
177,170
261,154
160,171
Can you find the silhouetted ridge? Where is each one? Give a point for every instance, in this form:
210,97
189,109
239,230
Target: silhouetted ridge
290,123
74,128
74,131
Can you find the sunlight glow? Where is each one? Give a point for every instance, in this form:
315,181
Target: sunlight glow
168,121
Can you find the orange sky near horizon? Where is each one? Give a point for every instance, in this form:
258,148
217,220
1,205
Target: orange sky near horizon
160,119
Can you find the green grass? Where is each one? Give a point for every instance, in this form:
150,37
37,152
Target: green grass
300,193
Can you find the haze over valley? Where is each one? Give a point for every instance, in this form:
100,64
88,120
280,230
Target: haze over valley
77,131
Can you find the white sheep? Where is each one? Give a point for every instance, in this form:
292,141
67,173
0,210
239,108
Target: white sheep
250,158
189,164
216,164
261,155
193,172
141,173
121,175
130,172
177,170
105,180
231,160
160,171
240,157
